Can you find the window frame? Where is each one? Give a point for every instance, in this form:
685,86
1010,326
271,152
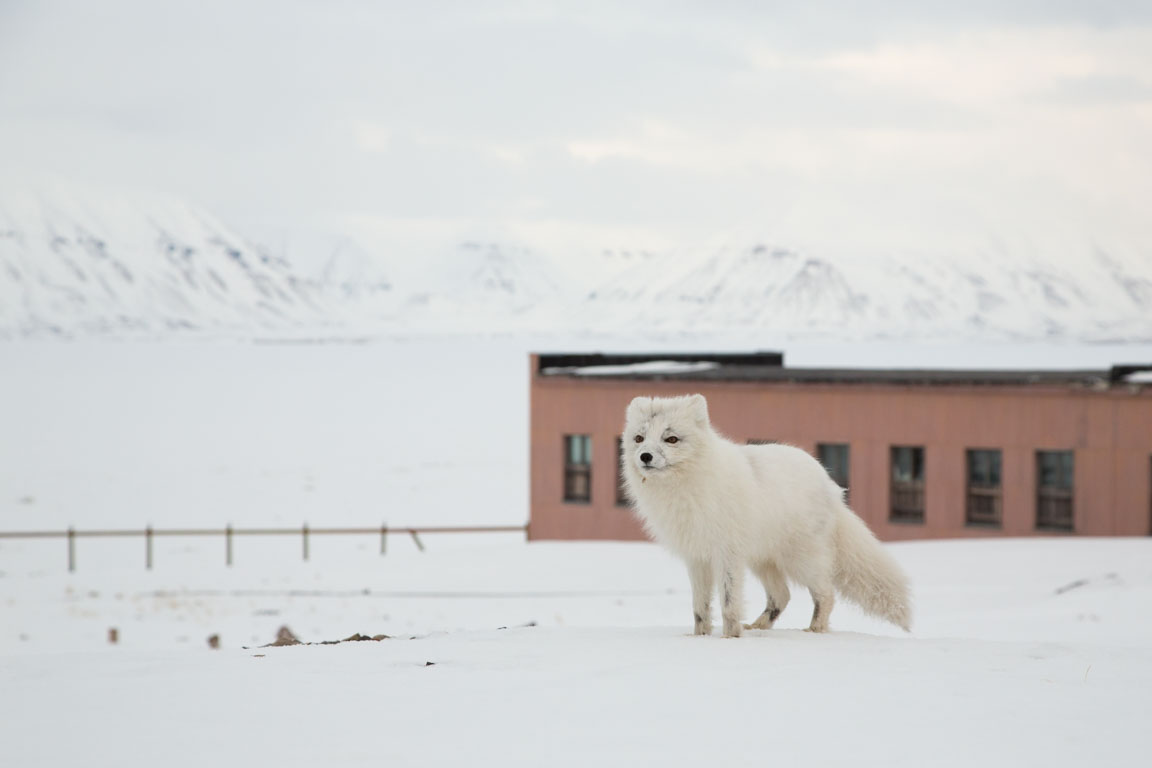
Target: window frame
914,488
1055,503
984,502
577,472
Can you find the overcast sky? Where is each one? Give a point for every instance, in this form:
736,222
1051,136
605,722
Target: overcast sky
818,125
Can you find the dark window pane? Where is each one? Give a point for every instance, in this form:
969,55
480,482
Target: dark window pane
834,457
1054,480
578,449
577,485
984,468
577,467
1055,469
976,468
984,497
907,463
907,491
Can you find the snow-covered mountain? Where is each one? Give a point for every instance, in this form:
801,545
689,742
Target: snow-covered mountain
1107,297
71,266
488,286
113,265
352,273
759,286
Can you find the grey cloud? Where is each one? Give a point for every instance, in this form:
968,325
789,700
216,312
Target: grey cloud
1099,90
254,107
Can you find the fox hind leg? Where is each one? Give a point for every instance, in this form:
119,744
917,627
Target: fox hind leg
776,590
822,601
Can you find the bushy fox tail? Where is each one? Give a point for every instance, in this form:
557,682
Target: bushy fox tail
867,575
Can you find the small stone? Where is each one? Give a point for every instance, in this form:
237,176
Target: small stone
284,636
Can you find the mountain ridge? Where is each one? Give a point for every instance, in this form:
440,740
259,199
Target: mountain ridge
124,267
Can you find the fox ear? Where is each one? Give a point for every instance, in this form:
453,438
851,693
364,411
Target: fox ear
699,407
635,407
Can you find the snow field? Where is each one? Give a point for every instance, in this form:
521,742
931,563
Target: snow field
1023,652
573,653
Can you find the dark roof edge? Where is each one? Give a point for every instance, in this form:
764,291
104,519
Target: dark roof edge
1121,370
586,360
769,367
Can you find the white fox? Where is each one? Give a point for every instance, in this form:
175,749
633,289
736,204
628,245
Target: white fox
725,507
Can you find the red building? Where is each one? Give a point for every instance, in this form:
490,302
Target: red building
923,454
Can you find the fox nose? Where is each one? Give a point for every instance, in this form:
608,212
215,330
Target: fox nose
646,458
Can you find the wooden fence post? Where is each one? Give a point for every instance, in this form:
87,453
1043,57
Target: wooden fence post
71,549
384,539
148,547
304,533
228,545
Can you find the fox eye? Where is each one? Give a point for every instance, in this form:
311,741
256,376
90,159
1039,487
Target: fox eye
638,439
672,439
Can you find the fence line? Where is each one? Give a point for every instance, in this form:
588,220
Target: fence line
229,532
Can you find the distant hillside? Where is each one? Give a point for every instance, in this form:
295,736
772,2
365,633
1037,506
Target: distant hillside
114,266
111,265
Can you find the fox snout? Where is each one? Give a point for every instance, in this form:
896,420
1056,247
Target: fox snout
651,460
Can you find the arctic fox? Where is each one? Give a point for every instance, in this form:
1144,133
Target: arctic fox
724,507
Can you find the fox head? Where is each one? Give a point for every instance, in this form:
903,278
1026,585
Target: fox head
662,435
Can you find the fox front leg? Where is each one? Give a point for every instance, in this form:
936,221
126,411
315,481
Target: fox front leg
700,574
731,594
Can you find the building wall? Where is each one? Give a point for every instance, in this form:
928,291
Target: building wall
1110,433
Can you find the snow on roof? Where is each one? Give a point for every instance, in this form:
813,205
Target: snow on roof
651,368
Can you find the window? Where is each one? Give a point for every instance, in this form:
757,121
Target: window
1054,472
621,497
577,468
834,457
983,506
907,498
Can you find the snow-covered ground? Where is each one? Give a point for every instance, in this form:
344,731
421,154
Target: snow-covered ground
194,434
1023,652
